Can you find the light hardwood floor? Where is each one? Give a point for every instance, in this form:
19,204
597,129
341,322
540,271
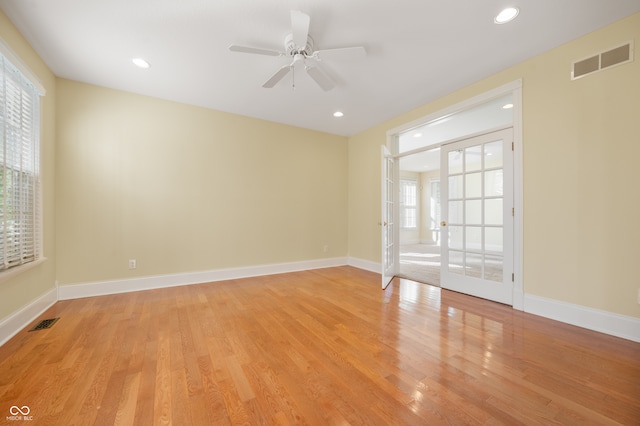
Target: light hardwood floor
315,347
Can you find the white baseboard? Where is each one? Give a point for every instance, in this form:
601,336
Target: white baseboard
11,325
518,299
593,319
101,288
367,265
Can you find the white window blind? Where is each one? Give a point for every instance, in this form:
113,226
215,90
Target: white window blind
408,203
20,221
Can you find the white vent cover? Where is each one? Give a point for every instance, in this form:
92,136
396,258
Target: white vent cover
603,60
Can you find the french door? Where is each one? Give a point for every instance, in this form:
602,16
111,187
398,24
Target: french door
389,239
477,216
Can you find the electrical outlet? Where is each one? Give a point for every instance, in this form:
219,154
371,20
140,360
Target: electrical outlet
325,248
639,296
132,264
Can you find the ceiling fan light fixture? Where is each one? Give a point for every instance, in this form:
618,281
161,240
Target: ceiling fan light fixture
298,58
299,48
507,15
139,62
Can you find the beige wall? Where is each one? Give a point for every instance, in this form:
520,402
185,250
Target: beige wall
581,141
183,189
19,291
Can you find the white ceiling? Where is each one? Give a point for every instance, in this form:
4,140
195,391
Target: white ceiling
417,50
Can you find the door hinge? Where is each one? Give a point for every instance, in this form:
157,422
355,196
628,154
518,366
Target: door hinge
513,211
513,277
512,146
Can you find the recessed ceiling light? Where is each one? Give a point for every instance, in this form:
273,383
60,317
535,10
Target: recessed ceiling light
338,114
507,106
141,63
417,135
507,15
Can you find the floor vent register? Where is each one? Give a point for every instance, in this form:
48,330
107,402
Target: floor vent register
44,324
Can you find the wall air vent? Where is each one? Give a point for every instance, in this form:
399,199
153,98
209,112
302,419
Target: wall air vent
603,60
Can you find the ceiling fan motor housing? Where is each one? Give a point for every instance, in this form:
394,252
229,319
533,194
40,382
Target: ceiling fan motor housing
292,50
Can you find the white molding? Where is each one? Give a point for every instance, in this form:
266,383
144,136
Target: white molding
518,197
17,270
101,288
460,106
593,319
367,265
518,299
11,325
22,67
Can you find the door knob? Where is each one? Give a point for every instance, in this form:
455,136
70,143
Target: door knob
443,223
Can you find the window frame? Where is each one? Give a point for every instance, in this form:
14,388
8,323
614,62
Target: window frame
404,183
36,91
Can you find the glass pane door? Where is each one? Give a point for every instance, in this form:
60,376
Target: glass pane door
477,224
389,246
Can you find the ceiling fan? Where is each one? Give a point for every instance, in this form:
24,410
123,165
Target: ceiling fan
298,45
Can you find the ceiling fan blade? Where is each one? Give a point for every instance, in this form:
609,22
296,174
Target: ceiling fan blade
279,75
341,53
320,77
246,49
300,28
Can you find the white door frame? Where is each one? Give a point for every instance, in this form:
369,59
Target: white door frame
514,88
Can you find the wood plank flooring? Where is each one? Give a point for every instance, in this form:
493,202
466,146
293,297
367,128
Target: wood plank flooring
316,347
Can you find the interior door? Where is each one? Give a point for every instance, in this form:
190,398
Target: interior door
389,246
477,216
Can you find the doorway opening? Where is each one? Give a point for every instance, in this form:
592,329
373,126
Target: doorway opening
419,239
420,217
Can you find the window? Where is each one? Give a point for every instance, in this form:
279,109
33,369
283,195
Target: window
20,224
408,203
435,216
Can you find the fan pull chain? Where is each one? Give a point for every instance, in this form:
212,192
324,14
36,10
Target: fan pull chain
293,78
